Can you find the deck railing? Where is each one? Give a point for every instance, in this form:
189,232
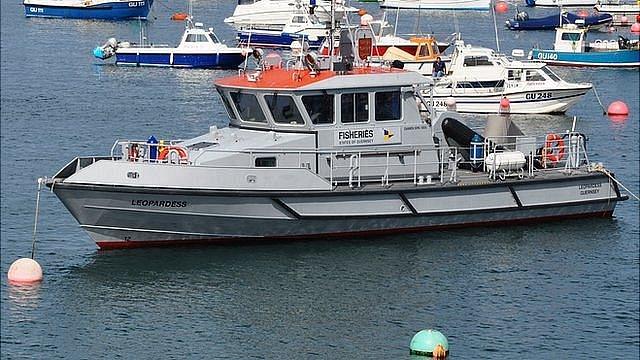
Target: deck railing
556,154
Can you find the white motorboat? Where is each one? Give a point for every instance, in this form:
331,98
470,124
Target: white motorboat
437,4
618,8
276,13
557,3
479,78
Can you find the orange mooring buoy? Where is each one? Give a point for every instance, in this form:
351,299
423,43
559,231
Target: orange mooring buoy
179,16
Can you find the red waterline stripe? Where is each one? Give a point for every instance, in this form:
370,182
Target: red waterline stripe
113,245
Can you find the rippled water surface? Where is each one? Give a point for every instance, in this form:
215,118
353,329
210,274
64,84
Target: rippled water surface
560,290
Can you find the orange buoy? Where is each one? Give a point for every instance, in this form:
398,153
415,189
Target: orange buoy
618,108
24,271
501,7
635,28
505,105
583,13
638,18
179,16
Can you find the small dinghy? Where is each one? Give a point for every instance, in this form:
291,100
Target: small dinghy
522,21
199,48
88,9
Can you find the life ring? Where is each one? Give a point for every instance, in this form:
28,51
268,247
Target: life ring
165,154
553,149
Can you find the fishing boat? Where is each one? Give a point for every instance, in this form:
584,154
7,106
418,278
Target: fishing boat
571,48
618,8
199,48
479,78
522,21
437,4
276,13
88,9
329,148
301,27
383,37
560,3
421,60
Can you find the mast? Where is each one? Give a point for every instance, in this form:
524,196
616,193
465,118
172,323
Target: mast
331,33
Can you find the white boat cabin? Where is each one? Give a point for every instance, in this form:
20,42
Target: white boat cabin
570,38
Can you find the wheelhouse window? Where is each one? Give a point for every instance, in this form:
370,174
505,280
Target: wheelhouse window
388,105
515,74
477,61
319,108
299,20
533,75
551,74
248,107
197,38
284,109
354,108
227,105
570,36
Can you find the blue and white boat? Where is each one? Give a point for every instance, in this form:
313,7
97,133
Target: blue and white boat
571,49
301,27
522,21
88,9
199,48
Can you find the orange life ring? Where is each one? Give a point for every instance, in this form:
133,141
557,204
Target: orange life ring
182,153
553,149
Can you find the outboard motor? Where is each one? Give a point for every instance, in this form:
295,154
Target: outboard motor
522,16
107,50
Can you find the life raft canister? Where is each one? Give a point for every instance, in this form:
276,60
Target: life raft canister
553,150
165,154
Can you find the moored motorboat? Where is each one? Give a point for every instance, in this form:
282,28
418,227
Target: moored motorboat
301,27
479,78
276,13
437,4
522,21
421,60
329,149
572,49
88,9
618,8
559,3
198,48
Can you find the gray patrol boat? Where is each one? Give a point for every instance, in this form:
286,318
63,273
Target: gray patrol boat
321,149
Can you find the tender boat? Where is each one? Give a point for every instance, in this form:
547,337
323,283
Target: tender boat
437,4
276,13
571,48
301,27
523,22
559,3
322,148
478,79
88,9
199,48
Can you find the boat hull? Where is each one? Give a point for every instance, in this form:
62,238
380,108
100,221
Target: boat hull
540,101
105,11
558,3
275,39
617,58
553,21
124,217
437,4
180,59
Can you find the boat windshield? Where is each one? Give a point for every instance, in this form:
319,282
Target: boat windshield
534,75
248,107
319,107
551,74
